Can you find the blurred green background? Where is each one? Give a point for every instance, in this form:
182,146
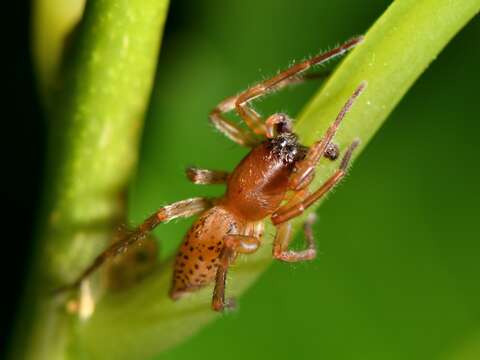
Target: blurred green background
397,276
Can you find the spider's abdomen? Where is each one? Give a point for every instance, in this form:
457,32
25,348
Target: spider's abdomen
199,255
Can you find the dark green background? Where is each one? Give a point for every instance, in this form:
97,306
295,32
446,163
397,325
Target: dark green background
397,276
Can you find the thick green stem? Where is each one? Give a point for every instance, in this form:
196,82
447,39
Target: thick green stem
396,50
96,85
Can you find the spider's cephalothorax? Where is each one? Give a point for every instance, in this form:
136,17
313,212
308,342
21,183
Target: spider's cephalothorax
271,182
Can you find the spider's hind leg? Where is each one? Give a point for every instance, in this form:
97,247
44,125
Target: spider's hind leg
183,208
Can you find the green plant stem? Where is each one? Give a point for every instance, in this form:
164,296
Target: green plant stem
396,50
96,85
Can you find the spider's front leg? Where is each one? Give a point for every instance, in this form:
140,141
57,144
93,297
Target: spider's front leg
299,204
305,169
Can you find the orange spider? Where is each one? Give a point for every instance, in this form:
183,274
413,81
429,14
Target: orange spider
256,190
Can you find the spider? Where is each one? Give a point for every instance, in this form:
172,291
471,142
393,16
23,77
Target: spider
271,181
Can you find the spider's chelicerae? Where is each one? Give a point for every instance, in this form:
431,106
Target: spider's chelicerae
271,181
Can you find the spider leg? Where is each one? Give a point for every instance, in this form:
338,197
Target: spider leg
241,102
231,130
322,74
184,208
305,168
130,267
233,244
289,210
284,237
205,176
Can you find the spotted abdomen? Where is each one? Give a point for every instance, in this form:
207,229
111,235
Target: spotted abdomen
198,257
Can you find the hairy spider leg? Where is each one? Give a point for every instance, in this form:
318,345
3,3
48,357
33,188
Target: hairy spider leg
205,176
233,245
183,208
289,210
244,137
305,168
284,237
241,102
